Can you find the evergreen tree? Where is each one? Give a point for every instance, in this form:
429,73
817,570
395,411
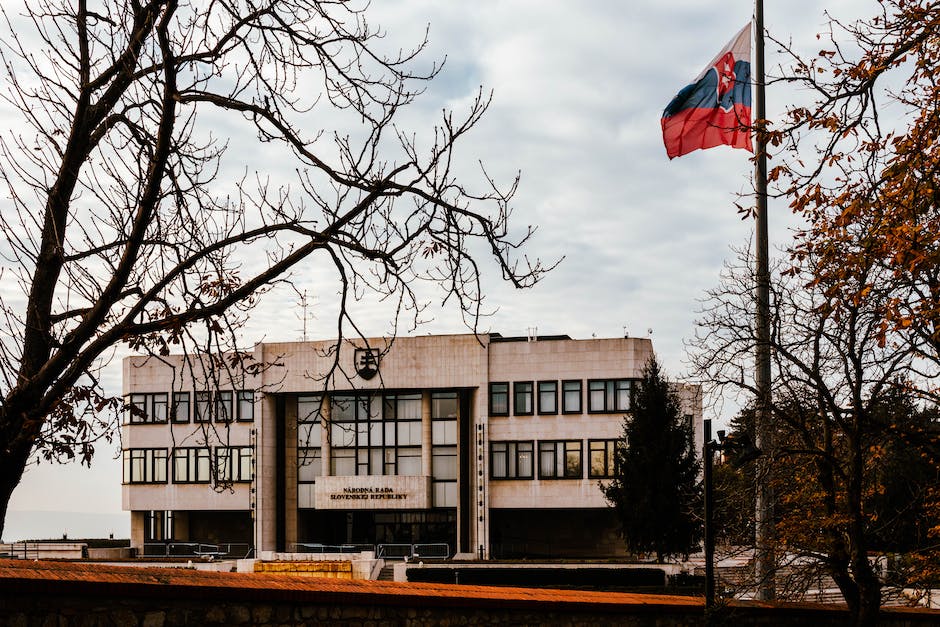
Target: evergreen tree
655,491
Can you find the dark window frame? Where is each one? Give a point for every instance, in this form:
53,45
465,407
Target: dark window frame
142,408
518,392
610,458
611,389
239,394
564,445
222,413
366,460
192,465
150,459
507,391
564,405
202,406
512,453
174,413
233,470
538,395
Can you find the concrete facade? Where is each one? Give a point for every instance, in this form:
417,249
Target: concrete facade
460,439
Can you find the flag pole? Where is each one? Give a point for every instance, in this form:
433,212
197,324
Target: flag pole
764,505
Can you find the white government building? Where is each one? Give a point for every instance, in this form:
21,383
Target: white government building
494,446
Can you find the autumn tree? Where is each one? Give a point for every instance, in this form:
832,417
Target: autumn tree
655,491
838,375
860,162
122,223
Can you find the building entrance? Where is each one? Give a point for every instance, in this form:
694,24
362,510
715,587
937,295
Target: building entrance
371,527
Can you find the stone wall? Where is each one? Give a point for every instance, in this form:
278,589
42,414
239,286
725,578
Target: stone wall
65,594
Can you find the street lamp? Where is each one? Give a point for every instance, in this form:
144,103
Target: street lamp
743,451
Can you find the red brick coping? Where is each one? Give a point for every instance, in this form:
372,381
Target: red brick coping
24,577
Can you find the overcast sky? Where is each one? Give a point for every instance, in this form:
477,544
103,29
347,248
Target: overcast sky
579,88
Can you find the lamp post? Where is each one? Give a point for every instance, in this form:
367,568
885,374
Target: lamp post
742,451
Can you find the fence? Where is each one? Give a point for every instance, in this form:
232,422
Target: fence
237,550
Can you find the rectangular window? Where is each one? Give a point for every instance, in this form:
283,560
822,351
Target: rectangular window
234,464
180,409
571,397
548,397
145,465
246,405
309,464
560,459
309,408
522,398
603,458
202,407
499,399
224,409
511,460
148,408
609,395
380,435
191,465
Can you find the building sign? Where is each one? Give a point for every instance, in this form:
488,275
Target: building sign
369,494
372,492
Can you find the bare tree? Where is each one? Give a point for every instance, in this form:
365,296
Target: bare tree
121,227
837,376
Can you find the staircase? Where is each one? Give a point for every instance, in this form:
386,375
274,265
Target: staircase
387,573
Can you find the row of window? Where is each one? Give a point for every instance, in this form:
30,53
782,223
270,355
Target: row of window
542,397
557,459
229,464
220,406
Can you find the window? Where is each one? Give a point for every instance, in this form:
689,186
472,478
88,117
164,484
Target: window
511,460
522,398
234,464
548,397
309,464
145,465
191,465
224,410
499,399
373,435
609,395
603,458
246,405
571,397
444,410
202,407
560,459
309,437
180,410
148,408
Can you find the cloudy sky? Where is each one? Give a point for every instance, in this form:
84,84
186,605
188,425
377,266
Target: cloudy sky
579,87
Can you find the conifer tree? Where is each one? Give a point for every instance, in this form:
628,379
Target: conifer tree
655,491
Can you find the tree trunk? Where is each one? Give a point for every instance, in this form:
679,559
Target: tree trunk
12,465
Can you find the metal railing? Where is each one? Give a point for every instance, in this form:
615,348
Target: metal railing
236,550
431,551
387,551
314,547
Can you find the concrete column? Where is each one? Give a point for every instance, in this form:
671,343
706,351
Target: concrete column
265,505
325,451
290,470
138,521
426,433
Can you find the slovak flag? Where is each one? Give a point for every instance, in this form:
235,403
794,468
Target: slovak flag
716,108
